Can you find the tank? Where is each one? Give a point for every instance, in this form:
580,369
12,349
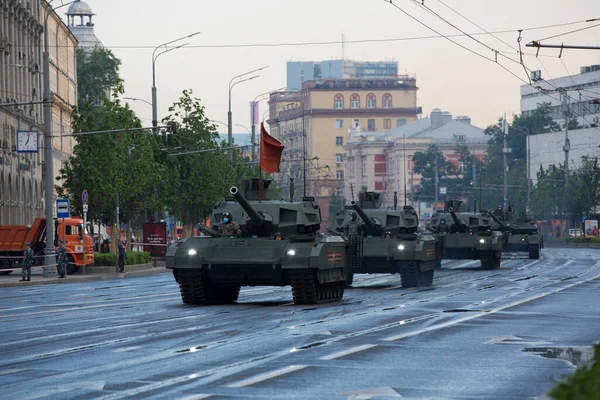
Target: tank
468,235
403,251
211,269
523,233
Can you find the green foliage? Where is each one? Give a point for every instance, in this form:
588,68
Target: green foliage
97,74
194,181
584,384
425,164
131,258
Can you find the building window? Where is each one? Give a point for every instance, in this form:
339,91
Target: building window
462,167
355,123
355,101
339,123
371,125
363,167
339,174
339,158
339,140
387,123
339,101
350,168
400,122
371,100
387,100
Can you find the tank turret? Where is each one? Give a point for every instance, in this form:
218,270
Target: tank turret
458,225
370,225
259,223
501,226
206,230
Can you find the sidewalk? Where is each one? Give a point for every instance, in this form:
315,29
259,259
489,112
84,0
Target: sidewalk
91,274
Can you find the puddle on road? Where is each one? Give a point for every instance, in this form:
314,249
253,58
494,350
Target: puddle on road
311,345
462,310
191,349
576,356
525,278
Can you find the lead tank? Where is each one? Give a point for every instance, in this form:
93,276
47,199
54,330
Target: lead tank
404,252
212,269
468,235
523,233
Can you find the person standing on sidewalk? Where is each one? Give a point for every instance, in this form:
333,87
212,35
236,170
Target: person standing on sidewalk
121,247
61,266
26,264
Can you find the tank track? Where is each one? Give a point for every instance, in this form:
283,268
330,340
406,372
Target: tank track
306,289
349,279
489,260
534,251
409,276
196,290
426,278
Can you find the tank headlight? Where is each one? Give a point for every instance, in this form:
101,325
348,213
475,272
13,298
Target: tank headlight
400,247
192,252
522,239
291,252
482,241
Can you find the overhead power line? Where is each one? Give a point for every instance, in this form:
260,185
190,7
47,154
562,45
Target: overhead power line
569,32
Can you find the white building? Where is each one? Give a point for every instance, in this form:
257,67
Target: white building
583,92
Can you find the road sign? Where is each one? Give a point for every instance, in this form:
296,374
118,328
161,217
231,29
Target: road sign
63,208
443,190
84,196
85,208
171,227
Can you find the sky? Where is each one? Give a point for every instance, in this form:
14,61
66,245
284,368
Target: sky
448,76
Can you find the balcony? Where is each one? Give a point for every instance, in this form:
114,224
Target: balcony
291,134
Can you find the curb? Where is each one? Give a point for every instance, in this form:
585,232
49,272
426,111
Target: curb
85,278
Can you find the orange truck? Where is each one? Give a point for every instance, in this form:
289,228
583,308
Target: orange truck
80,246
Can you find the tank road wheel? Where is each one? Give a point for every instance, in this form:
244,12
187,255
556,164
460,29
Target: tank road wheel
71,267
409,275
489,260
349,279
4,264
534,251
426,278
307,289
195,290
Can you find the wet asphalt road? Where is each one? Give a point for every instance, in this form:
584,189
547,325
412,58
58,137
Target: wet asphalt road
474,335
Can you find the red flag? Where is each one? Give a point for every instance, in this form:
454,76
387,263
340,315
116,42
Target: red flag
270,151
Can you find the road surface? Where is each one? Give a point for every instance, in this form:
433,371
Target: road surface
503,334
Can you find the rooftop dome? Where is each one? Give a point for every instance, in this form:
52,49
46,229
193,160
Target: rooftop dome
80,8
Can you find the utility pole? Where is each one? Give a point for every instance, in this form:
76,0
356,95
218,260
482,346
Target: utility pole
474,164
505,151
567,145
436,182
528,173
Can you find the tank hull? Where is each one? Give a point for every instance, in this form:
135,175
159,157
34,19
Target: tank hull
212,264
529,243
466,246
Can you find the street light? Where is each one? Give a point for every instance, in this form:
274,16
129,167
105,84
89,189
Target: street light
242,126
49,253
525,130
254,102
231,85
136,99
154,57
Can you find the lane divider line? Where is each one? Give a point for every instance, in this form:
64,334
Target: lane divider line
268,375
348,352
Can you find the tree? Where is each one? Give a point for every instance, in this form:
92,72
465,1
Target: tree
195,181
97,74
425,164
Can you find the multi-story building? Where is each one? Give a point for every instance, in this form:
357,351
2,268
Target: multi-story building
302,71
582,100
382,161
21,81
21,183
313,123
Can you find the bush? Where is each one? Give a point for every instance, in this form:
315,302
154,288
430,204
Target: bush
581,239
584,384
131,258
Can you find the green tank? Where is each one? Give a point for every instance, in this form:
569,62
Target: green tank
468,235
389,242
211,269
523,233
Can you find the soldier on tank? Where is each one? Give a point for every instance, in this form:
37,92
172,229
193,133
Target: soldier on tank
229,227
61,266
353,227
388,235
27,264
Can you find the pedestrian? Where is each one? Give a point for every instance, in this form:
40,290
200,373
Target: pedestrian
229,227
277,236
26,264
121,247
61,265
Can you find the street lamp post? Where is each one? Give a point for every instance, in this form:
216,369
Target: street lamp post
253,134
154,57
136,99
49,252
229,116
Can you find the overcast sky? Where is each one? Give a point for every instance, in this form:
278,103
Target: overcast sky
448,76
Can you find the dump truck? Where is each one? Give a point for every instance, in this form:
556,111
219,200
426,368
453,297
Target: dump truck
80,246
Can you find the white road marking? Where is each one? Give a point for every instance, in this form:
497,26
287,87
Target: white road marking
268,375
348,352
11,371
198,397
477,315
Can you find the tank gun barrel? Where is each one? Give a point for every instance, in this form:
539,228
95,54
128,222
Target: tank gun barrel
370,224
502,226
257,219
205,229
458,224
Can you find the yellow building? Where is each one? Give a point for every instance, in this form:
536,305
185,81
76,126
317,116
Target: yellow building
318,118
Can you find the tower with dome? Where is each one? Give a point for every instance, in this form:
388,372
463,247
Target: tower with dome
79,20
